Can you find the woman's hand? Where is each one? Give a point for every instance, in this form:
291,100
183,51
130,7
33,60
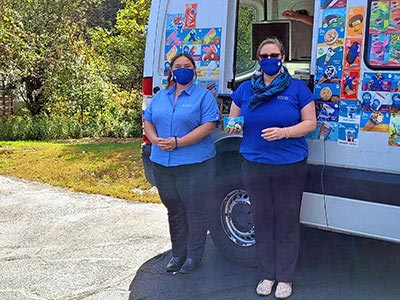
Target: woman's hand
274,133
290,14
168,144
234,130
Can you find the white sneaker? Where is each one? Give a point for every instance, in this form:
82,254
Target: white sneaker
283,290
264,287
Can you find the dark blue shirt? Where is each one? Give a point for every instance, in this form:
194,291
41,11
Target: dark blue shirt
282,110
195,106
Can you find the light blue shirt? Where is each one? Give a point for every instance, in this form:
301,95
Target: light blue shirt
195,106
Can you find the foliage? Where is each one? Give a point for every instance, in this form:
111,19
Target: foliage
41,32
247,16
123,46
107,168
78,79
119,117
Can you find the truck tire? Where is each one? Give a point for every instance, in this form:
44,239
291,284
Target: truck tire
231,224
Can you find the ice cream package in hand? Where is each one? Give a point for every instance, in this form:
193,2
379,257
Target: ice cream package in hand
233,123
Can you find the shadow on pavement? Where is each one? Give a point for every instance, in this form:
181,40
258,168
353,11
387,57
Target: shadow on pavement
331,266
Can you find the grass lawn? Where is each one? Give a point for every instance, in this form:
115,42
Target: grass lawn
101,167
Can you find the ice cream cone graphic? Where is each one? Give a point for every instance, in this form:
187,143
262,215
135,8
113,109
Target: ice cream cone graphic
375,119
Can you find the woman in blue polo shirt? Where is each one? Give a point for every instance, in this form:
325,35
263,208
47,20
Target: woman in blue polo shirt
278,112
178,122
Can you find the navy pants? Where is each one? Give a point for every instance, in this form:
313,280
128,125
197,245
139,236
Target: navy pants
184,191
275,193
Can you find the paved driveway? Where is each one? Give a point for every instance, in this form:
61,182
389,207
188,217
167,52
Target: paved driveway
56,244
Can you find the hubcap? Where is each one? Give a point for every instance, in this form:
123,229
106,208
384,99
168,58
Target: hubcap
237,219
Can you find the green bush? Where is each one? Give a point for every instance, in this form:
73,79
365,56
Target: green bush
119,117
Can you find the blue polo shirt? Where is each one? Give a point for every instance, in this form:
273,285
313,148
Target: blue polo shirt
195,106
282,110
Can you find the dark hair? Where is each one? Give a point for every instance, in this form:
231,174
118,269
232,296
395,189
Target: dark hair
170,80
271,40
303,12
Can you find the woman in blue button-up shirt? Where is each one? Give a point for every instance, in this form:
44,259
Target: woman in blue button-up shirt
178,122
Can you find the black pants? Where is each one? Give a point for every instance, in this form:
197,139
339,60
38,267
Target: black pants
275,194
184,191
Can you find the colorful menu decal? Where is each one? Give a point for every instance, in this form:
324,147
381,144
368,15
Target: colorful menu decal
349,101
348,134
394,130
352,54
380,104
349,84
325,131
334,17
202,44
384,34
190,16
328,112
333,3
355,23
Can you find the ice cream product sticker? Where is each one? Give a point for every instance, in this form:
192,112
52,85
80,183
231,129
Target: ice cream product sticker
373,101
350,82
350,111
352,53
376,82
327,92
190,16
348,134
327,111
331,36
233,123
355,21
379,49
324,131
394,130
395,103
375,121
379,19
334,17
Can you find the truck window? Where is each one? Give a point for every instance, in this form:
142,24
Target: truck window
257,20
382,38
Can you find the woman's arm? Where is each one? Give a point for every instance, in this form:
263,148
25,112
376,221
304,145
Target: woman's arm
193,137
291,15
308,123
151,134
150,131
197,134
234,111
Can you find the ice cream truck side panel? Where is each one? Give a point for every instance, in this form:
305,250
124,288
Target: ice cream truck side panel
349,58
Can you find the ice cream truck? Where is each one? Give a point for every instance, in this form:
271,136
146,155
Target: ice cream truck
349,58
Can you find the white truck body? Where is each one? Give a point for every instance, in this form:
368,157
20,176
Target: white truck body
354,166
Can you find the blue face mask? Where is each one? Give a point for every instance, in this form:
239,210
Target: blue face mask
270,66
183,75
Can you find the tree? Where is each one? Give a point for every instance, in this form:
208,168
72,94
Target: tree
123,46
36,35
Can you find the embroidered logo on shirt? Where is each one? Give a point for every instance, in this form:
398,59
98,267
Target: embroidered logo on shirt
280,97
187,105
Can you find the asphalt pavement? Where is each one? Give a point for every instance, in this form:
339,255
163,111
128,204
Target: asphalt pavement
331,266
57,244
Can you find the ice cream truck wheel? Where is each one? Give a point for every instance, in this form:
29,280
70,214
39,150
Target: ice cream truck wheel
231,224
